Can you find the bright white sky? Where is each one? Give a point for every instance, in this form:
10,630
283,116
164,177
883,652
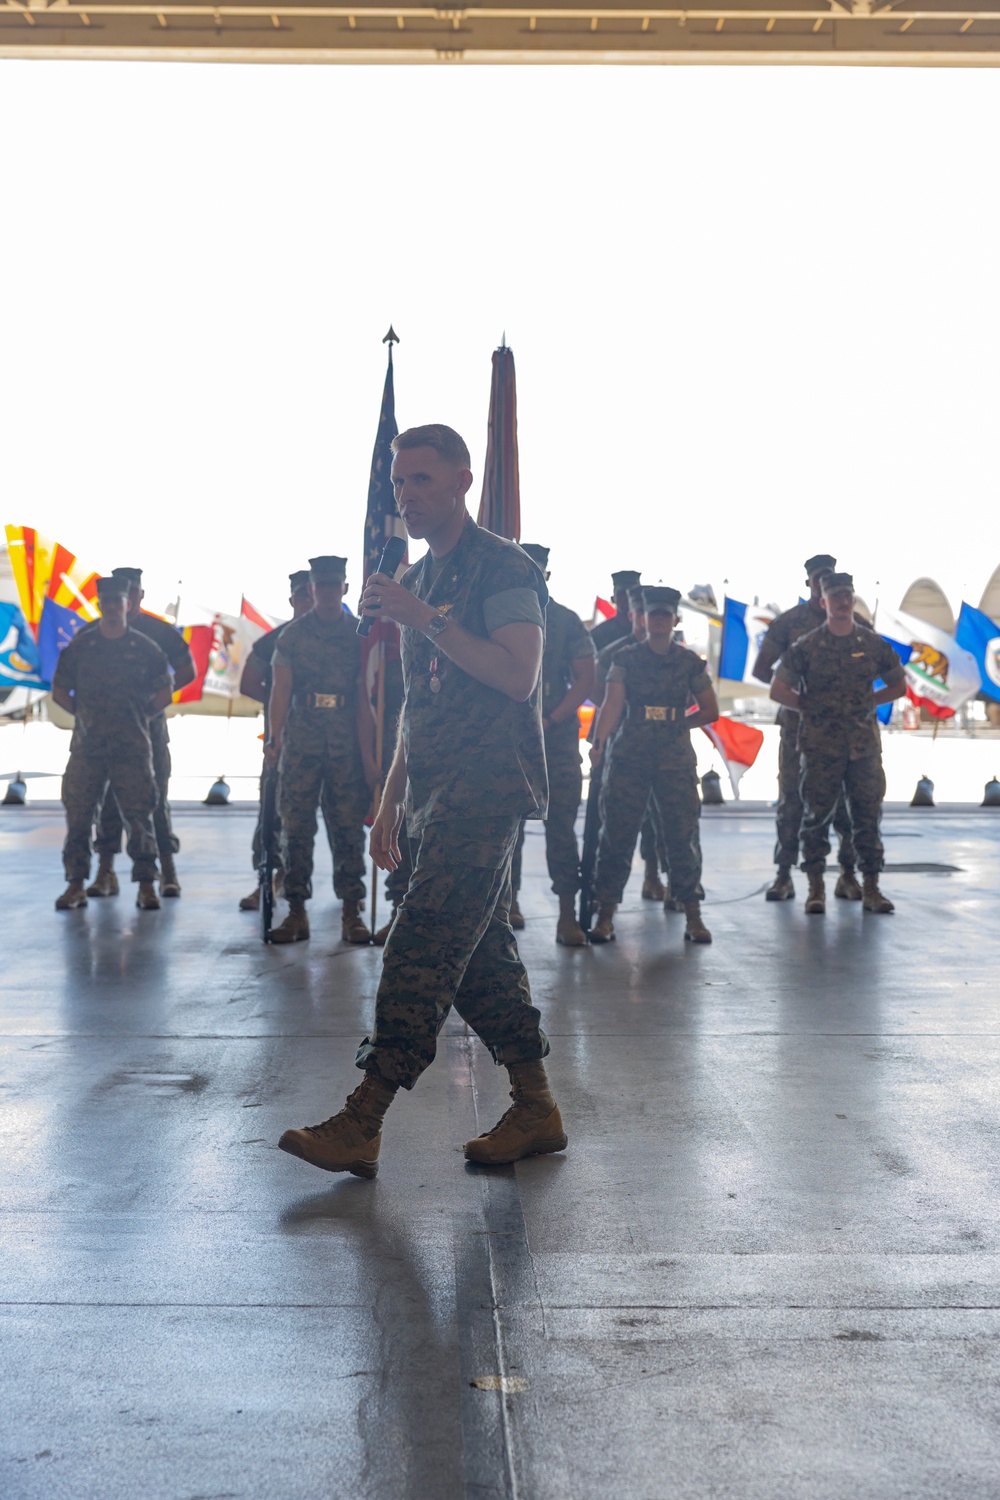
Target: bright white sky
753,310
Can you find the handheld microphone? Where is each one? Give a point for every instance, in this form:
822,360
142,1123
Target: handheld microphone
392,556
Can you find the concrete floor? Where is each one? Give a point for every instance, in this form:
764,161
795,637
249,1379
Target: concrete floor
767,1266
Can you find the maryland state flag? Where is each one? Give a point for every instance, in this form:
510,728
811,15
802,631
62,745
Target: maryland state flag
381,522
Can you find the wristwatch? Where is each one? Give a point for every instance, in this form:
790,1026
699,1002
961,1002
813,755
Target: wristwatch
435,625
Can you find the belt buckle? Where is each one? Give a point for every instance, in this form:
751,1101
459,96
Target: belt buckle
657,714
326,700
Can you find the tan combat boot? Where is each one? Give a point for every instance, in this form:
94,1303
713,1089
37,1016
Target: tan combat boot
251,902
350,1141
568,930
874,899
295,927
378,938
603,930
73,896
531,1127
652,886
352,927
816,899
695,930
782,889
516,920
847,888
169,884
146,898
106,881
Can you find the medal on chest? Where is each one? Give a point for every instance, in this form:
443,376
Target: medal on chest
435,681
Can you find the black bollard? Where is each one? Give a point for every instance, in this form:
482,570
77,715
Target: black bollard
991,794
711,789
16,793
219,795
924,794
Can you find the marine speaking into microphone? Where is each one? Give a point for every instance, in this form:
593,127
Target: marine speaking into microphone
392,556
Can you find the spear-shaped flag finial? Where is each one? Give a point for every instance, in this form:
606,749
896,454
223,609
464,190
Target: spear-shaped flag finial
392,337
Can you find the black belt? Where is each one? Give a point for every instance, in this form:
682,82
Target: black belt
654,713
324,700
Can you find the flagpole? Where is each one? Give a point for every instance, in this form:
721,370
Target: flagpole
379,748
392,337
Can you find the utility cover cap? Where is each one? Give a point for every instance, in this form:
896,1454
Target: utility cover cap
665,600
821,563
539,555
328,569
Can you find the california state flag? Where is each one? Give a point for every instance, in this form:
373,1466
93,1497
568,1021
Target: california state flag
738,744
940,674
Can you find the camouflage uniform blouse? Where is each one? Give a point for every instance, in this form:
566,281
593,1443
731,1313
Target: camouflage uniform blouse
324,658
112,680
471,751
566,640
783,631
836,674
658,690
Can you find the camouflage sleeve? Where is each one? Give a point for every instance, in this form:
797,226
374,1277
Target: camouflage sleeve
512,606
514,590
158,670
701,678
64,676
617,673
579,645
890,668
179,653
792,668
776,641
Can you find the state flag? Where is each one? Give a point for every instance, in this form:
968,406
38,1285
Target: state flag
744,627
940,674
738,744
980,636
20,663
56,628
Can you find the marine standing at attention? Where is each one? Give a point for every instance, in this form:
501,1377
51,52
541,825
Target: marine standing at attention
108,842
781,632
653,685
321,736
114,680
567,682
619,627
652,850
255,683
829,677
469,765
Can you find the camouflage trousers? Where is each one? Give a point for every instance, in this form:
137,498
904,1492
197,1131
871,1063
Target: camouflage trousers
110,827
452,944
625,793
652,849
307,778
129,775
256,847
826,776
789,814
562,853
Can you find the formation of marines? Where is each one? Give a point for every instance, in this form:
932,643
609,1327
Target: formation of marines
493,675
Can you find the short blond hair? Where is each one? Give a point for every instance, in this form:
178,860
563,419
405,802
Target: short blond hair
444,440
